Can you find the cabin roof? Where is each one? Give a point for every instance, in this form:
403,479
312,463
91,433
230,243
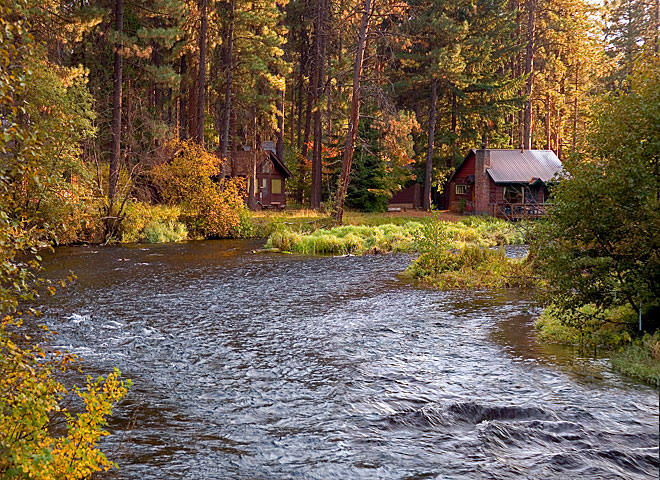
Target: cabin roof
243,158
280,163
523,166
519,166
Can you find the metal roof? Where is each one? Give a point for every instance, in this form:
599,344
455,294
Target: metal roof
523,166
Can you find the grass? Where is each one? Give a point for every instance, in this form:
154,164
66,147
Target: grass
470,267
308,232
348,239
638,358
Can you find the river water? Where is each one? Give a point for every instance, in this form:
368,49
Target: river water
278,366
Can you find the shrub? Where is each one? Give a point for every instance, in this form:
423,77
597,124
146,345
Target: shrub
210,207
32,401
611,330
152,223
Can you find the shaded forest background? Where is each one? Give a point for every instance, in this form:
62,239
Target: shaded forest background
114,83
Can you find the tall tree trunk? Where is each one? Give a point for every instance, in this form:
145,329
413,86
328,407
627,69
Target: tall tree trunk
575,106
529,71
300,194
547,121
319,73
454,125
656,38
308,121
279,146
224,144
353,123
252,187
116,108
183,115
429,150
201,79
292,115
301,89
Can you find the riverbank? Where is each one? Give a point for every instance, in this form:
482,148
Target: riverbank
613,336
144,223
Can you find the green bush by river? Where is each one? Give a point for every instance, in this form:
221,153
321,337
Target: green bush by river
612,334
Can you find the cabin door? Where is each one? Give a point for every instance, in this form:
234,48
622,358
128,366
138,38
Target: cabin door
264,190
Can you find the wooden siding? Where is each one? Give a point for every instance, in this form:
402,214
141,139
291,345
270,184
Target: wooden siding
410,196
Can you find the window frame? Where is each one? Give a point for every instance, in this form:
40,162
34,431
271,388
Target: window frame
463,187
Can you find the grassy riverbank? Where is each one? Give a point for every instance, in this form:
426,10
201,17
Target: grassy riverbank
612,335
372,236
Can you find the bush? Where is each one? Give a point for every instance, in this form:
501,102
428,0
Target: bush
152,223
588,328
210,207
32,401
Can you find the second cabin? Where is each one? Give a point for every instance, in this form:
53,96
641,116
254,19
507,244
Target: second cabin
271,174
511,184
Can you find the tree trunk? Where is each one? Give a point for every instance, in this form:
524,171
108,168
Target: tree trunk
308,121
529,71
224,144
279,146
656,38
116,108
252,187
355,115
292,115
429,150
315,195
183,115
575,106
454,125
547,121
201,79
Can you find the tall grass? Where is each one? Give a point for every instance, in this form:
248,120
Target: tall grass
470,267
304,238
640,359
348,239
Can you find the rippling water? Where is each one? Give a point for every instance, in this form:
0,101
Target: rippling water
278,366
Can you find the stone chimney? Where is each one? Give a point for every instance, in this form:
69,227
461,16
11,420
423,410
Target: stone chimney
481,182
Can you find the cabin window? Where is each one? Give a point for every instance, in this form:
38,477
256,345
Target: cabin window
461,189
276,186
264,186
514,194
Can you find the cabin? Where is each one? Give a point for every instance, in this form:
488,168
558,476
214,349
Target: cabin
510,184
271,173
409,197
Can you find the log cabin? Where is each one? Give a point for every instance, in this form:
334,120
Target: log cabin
511,184
271,174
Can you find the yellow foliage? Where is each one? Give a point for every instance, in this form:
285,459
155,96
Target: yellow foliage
210,206
32,404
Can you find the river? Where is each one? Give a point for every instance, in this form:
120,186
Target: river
280,366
